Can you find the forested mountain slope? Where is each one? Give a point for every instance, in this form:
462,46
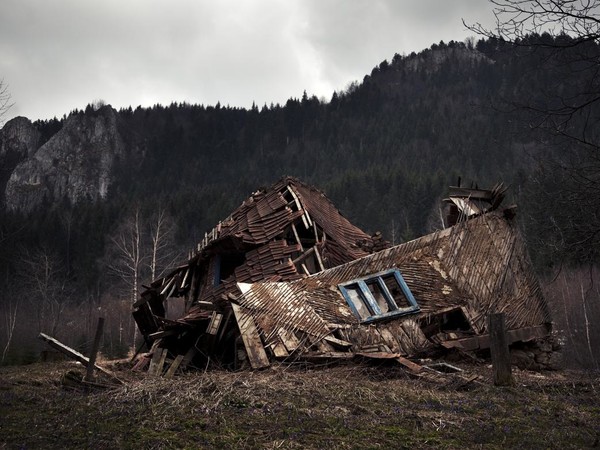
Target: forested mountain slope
384,150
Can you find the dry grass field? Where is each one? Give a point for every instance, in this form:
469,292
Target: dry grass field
342,407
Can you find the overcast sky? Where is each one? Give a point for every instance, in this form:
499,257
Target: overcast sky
59,55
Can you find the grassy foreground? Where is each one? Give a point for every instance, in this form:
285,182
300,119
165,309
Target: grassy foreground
338,407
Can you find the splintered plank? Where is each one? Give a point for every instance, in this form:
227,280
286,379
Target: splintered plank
74,354
161,362
254,348
155,361
174,366
413,367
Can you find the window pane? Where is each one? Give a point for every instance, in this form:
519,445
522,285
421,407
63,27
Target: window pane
356,299
378,295
392,284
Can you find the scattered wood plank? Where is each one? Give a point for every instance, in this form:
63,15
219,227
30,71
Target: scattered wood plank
254,348
161,362
185,277
174,366
141,364
156,355
413,367
483,341
74,354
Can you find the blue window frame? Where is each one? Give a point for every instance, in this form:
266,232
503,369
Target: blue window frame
379,296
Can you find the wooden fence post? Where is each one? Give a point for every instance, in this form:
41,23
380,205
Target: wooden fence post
499,350
92,362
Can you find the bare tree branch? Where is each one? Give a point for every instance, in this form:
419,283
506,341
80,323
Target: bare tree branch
5,100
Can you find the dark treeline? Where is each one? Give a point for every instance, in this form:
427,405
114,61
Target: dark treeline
384,150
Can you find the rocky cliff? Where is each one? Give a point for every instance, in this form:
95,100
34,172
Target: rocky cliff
19,140
73,164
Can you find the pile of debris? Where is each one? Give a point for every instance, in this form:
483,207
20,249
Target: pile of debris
287,278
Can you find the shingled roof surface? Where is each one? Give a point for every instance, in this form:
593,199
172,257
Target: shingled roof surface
267,212
480,265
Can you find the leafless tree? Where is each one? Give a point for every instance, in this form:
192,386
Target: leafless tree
5,100
570,107
562,114
11,307
45,283
127,258
515,19
163,253
162,249
141,248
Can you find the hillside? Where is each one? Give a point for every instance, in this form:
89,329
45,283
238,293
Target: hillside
384,151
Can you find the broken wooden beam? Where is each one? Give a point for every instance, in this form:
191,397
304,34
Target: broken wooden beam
89,376
155,363
338,342
74,354
174,366
161,334
254,348
499,350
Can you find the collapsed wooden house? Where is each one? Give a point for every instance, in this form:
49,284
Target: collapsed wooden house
286,277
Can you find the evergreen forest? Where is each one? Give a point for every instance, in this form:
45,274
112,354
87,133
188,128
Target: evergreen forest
384,149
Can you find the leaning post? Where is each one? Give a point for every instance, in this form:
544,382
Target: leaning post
92,362
499,350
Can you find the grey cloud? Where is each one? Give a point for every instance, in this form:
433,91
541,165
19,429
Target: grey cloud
60,55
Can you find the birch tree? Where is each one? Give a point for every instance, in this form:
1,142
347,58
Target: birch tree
141,249
127,259
162,249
